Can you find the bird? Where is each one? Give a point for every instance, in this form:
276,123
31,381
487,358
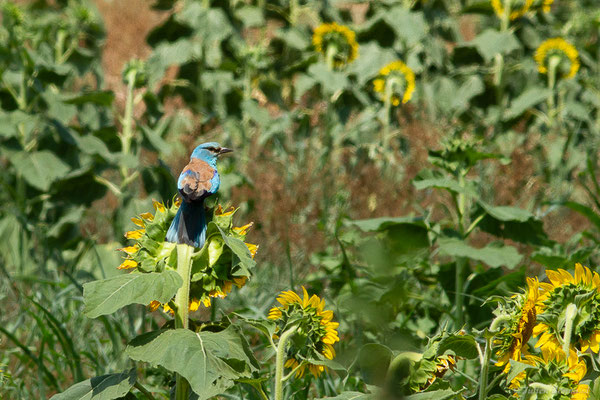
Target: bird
197,181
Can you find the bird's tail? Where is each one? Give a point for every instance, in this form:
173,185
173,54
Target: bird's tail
189,225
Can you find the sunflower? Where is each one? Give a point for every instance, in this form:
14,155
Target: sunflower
556,373
498,7
520,313
559,47
582,290
336,41
395,77
314,326
215,269
443,364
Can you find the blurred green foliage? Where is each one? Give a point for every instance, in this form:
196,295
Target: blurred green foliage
74,169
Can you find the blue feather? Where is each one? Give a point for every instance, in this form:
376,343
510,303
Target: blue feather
189,225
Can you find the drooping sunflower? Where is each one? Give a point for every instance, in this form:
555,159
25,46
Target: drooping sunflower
396,80
582,290
314,326
557,47
516,11
215,268
336,41
520,314
554,373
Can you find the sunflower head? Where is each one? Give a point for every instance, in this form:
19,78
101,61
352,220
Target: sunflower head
518,317
555,374
316,332
224,261
397,81
558,49
582,290
336,41
518,8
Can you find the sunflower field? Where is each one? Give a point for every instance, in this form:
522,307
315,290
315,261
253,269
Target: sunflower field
411,210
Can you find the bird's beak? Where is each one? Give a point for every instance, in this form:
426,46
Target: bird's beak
224,150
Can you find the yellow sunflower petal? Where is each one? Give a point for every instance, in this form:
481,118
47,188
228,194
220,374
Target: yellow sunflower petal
138,221
135,234
158,206
127,264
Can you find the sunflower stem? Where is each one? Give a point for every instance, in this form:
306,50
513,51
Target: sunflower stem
182,300
483,379
127,132
280,361
570,315
552,66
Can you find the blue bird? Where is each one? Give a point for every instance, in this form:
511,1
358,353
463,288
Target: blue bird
198,180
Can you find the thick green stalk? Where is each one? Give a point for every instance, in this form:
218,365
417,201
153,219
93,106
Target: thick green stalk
552,66
127,132
570,315
485,364
280,361
460,261
182,300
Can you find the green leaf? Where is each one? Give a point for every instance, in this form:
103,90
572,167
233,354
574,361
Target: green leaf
443,394
211,362
351,396
383,223
372,59
100,98
507,213
40,169
108,295
239,248
462,345
492,42
516,368
331,81
494,256
408,25
105,387
374,360
449,184
526,100
250,16
511,223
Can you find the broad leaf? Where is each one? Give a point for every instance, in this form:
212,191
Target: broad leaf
351,396
494,256
492,42
40,169
511,223
100,98
105,387
516,368
408,25
108,295
443,394
211,362
526,100
383,223
462,345
374,360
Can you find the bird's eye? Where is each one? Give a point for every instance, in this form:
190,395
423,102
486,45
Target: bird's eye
210,148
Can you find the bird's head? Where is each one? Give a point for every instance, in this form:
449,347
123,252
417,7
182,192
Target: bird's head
209,152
